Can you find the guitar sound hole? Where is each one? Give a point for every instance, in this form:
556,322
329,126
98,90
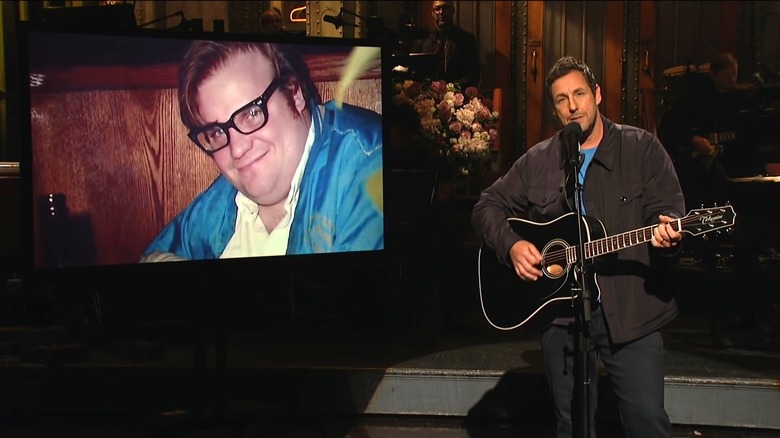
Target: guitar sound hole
554,270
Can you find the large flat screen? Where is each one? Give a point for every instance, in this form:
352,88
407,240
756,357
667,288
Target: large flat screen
154,146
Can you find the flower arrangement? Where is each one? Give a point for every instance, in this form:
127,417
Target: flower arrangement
461,126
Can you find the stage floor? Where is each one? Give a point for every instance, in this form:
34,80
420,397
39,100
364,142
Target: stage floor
374,362
323,373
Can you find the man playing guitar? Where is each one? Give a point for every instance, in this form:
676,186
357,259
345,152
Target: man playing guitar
716,114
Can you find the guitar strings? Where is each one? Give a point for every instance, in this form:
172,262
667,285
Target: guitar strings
560,256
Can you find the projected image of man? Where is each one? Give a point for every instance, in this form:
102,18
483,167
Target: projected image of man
296,176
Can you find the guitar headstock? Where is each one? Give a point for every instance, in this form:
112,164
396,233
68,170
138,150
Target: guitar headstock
705,220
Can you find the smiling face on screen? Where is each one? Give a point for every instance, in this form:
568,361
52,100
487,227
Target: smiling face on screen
260,164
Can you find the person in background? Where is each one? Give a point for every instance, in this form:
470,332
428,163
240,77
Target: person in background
717,125
458,61
720,124
272,19
297,176
634,302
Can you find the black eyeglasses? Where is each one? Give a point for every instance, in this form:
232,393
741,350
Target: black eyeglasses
246,120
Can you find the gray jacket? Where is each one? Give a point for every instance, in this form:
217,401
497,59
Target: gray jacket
636,294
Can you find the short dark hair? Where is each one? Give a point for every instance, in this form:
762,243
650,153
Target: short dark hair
564,66
204,57
446,3
269,16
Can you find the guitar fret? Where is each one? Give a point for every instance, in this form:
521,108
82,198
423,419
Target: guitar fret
609,244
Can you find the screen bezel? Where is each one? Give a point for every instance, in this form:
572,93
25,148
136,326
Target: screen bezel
115,273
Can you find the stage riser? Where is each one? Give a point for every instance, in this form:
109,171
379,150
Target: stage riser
724,405
455,393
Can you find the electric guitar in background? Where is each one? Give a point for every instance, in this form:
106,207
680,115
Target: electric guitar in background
716,139
509,302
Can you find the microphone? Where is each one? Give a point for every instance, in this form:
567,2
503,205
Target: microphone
337,20
571,137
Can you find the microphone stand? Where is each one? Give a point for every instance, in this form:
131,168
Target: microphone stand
581,296
372,22
179,14
376,29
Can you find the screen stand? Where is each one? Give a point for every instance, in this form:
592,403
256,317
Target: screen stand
293,324
209,329
93,314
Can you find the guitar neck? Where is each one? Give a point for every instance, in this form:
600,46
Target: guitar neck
609,244
719,137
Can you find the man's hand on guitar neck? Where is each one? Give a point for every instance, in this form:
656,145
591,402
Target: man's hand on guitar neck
664,236
526,259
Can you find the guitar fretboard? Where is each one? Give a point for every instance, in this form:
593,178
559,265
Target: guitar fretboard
719,137
606,245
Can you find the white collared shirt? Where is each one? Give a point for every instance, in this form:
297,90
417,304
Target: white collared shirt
250,238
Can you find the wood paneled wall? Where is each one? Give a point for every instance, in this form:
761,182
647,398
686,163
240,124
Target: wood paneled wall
591,31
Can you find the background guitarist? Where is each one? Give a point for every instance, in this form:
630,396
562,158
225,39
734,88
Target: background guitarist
719,124
635,302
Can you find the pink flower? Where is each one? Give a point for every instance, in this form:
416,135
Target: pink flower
439,88
445,110
413,89
472,92
459,99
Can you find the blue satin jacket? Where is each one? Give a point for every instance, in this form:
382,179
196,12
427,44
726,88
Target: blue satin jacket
340,207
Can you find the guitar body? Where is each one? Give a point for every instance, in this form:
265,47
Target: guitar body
509,302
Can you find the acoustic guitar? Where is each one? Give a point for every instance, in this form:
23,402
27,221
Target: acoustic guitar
509,302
